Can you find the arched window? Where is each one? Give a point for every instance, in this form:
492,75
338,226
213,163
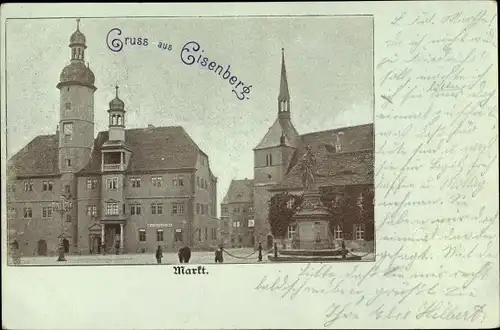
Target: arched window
269,160
113,120
120,120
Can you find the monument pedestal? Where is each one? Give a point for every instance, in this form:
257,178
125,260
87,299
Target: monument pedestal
313,240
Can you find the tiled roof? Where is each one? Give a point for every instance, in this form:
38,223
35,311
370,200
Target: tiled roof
273,135
353,164
240,191
38,157
153,149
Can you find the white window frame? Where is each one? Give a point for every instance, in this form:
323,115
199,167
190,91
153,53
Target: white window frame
142,230
112,209
46,212
338,233
291,230
112,184
136,182
359,232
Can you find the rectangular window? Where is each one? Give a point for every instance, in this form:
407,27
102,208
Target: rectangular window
178,235
202,209
12,188
46,212
68,131
291,232
156,181
199,234
180,208
359,232
142,235
68,162
47,186
181,181
67,189
28,212
206,209
91,184
112,184
174,182
197,208
214,234
135,209
67,105
156,208
136,182
111,208
198,181
174,208
28,185
337,232
89,210
159,235
206,234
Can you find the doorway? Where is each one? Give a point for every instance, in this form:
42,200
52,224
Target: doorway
42,247
95,244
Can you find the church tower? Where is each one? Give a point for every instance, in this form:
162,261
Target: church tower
272,156
76,112
76,128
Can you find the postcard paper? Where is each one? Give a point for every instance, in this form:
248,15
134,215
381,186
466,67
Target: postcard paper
250,166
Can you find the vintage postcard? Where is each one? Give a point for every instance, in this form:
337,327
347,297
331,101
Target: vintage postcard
99,186
344,154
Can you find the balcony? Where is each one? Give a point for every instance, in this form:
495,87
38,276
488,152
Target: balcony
112,167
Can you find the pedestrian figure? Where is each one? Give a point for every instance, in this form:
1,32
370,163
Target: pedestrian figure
186,255
219,255
275,250
180,254
260,251
159,254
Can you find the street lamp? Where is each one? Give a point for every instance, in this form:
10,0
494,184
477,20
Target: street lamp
64,205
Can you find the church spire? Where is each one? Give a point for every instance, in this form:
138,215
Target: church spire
284,95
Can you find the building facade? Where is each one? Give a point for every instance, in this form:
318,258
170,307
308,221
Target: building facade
126,190
345,159
237,215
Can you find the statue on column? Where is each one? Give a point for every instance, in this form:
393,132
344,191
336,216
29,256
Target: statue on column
308,166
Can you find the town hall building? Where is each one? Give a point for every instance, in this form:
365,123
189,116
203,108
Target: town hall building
124,191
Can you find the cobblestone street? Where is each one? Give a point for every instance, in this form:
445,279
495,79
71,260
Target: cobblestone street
146,258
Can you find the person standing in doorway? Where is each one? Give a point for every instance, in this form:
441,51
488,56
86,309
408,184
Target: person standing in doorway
159,254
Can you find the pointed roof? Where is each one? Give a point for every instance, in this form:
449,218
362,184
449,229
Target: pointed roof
284,94
239,191
281,127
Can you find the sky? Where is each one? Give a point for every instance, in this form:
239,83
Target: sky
329,63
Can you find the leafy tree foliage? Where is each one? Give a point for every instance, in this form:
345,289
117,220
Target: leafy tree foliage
280,214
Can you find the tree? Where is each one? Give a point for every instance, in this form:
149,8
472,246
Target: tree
281,211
